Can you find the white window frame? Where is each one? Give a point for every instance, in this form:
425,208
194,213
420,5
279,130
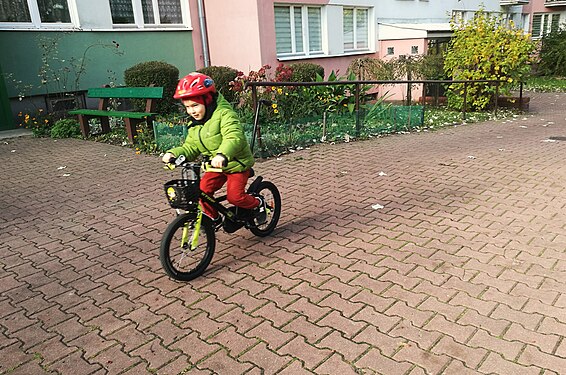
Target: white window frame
139,21
305,32
545,23
36,22
355,29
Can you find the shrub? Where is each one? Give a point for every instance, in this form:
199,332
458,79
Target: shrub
553,54
66,128
222,76
485,48
305,72
368,68
159,73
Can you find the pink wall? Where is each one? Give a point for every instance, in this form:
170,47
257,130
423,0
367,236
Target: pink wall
235,40
233,33
537,6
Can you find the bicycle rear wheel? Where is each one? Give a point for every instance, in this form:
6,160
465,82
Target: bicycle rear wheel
270,193
187,247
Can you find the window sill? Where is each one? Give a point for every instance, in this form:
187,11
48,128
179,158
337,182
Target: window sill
323,56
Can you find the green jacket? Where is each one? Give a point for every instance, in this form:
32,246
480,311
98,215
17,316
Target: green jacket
221,134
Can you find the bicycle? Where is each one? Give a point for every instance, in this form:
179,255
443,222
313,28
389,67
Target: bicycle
189,241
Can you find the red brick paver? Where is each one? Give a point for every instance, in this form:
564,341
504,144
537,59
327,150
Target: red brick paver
463,270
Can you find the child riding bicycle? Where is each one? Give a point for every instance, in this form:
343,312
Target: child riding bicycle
216,133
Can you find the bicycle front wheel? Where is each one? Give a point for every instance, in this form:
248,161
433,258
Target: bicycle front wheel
187,247
271,195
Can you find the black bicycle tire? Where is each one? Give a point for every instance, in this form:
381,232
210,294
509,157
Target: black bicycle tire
165,248
277,210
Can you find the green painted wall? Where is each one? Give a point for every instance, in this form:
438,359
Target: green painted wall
6,121
21,57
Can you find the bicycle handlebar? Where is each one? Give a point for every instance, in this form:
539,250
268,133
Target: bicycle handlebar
181,160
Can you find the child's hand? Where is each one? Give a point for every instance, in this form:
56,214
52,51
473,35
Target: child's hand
167,157
218,161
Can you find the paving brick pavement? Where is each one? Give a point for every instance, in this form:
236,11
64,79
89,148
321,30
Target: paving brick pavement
463,270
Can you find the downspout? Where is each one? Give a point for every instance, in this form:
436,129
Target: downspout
203,33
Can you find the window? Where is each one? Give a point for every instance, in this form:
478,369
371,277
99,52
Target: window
356,30
390,50
35,11
544,23
155,12
414,50
298,30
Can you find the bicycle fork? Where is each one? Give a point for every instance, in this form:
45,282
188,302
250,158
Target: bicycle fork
193,240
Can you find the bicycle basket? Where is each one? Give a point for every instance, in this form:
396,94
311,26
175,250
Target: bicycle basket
182,194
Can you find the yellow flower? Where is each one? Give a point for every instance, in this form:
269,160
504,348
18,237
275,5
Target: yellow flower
275,111
279,91
26,117
138,152
274,105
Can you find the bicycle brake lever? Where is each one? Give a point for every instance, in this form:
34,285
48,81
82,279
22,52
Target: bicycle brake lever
180,160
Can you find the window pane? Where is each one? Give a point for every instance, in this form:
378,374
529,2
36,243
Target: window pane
555,23
54,11
298,16
348,28
544,24
170,11
283,29
147,8
315,40
122,11
537,19
361,28
14,11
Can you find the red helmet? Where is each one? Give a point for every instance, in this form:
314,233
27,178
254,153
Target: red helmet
194,84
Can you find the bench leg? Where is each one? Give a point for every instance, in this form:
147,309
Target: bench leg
105,124
130,124
85,129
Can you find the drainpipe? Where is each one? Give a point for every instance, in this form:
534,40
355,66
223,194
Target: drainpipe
203,33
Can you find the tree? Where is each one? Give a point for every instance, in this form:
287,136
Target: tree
486,48
552,53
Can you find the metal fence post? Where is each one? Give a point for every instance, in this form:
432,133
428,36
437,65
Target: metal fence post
465,101
496,95
521,96
256,105
357,98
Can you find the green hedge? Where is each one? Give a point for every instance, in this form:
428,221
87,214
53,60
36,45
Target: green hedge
222,76
305,72
161,74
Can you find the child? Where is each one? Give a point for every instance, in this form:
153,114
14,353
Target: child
216,132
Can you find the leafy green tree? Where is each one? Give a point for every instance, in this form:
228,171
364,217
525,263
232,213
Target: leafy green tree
552,54
486,48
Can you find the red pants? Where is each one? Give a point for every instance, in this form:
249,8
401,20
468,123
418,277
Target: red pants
235,190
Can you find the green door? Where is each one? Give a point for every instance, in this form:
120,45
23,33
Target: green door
6,119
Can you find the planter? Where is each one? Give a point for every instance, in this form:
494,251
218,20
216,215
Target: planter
514,102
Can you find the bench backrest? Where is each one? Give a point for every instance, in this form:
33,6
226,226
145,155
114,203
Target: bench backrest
126,92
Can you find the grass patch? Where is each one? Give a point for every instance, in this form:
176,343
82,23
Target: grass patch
545,84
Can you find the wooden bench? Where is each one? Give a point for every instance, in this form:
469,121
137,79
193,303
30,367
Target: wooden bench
131,119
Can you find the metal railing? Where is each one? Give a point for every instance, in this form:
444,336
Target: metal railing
356,91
